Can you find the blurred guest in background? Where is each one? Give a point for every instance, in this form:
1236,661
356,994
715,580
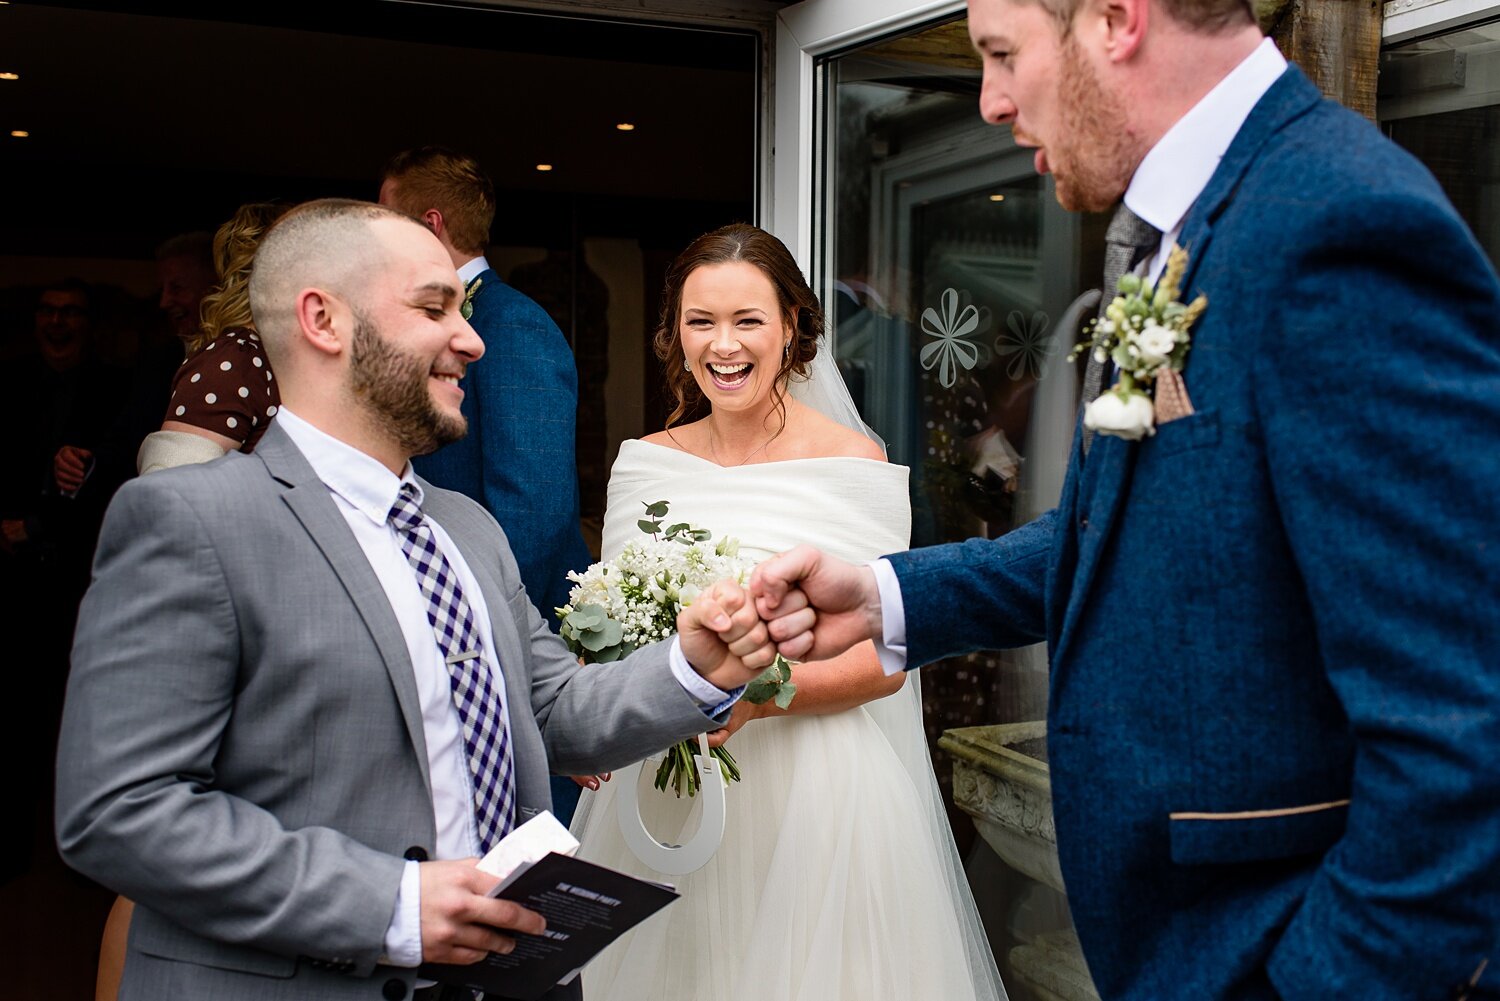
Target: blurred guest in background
186,266
58,393
224,395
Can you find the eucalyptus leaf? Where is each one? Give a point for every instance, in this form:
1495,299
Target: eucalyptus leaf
657,510
588,616
649,527
786,694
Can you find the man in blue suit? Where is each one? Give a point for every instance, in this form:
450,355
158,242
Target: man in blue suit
1274,723
521,399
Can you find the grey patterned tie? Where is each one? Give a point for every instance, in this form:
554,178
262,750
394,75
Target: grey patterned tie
475,696
1127,242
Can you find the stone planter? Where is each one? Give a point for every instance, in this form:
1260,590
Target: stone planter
1001,779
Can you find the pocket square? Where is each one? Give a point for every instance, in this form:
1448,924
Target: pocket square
1172,402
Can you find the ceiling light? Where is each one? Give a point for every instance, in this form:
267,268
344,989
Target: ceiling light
19,133
997,198
10,76
626,126
544,166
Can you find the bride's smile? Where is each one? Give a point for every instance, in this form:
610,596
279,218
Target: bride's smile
733,335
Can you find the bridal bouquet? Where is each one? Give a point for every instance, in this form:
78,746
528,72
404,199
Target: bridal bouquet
621,604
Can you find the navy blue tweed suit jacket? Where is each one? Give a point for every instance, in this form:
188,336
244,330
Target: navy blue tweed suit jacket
1274,626
518,458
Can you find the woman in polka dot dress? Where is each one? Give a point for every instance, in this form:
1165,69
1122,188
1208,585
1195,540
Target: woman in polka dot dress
224,395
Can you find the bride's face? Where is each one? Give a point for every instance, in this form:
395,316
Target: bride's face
732,334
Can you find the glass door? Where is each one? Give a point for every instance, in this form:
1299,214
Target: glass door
952,282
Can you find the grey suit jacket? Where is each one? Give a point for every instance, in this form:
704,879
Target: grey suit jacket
242,750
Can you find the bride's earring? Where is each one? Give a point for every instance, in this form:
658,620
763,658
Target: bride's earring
687,366
786,352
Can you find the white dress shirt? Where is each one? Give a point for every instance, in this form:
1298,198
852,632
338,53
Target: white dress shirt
364,490
1162,191
472,268
1177,169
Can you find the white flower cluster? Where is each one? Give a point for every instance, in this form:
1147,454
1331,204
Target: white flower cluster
652,580
1144,331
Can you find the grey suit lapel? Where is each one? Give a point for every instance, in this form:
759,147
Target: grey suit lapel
308,499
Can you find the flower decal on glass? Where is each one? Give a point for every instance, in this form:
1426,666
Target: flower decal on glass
1029,343
950,350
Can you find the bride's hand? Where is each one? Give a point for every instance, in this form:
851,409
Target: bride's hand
742,713
591,782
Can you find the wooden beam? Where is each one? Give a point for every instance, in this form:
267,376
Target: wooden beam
1335,42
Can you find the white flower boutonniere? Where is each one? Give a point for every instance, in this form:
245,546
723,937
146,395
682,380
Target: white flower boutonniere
1143,330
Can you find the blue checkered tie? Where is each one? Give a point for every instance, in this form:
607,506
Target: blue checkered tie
486,743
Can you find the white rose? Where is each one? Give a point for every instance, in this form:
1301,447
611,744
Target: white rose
1155,343
688,594
1130,418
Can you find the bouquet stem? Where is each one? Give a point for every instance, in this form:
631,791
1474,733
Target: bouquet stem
678,771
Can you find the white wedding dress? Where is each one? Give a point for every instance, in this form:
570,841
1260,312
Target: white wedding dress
837,877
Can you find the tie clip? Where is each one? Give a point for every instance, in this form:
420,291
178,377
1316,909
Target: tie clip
463,655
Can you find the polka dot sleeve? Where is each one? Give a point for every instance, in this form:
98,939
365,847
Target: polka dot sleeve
227,388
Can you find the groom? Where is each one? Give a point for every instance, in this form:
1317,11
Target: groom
308,686
1274,723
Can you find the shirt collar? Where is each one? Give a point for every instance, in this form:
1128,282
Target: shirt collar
358,478
472,269
1178,168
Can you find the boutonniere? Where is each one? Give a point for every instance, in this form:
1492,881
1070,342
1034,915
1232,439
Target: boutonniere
467,309
1144,331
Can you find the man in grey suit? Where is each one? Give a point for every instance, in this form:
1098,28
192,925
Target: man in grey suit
308,687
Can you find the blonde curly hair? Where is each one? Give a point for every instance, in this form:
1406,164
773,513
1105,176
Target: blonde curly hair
228,305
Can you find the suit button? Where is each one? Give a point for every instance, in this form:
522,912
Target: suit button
393,989
1083,523
416,853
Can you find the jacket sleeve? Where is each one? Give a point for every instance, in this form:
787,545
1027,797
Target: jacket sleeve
983,594
156,663
1378,385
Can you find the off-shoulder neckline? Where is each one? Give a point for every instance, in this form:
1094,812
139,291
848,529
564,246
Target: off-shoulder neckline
752,465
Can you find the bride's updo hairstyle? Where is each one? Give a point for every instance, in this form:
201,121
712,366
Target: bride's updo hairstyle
800,312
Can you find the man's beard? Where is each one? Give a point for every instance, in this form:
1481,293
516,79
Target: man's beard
1093,164
393,388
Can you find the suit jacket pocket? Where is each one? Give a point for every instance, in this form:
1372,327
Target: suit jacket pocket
156,936
1256,835
1198,430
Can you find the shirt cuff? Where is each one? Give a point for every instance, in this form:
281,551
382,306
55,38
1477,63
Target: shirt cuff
890,645
714,701
403,937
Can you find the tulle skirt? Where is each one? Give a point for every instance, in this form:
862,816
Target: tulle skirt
834,879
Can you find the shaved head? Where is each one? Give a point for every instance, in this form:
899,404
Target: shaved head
329,244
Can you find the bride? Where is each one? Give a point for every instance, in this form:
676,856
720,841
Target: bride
837,877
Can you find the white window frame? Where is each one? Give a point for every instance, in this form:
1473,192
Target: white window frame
1408,19
804,32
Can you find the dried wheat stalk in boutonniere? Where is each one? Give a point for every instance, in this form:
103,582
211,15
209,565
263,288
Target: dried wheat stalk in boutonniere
1144,330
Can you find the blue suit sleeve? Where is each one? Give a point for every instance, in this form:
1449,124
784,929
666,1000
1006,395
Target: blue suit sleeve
983,594
1386,467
